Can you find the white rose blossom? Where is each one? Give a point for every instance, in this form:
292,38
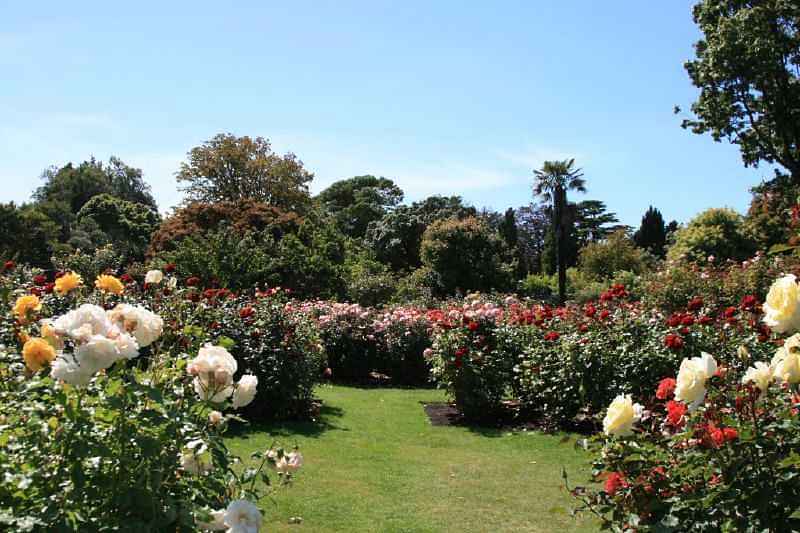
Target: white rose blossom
786,363
782,306
245,391
213,369
242,516
154,277
622,414
690,386
760,375
289,463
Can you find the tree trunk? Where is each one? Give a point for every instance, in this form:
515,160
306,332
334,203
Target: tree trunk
561,260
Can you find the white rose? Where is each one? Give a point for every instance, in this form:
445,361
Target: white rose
65,368
759,374
245,391
782,308
145,325
209,390
154,277
98,353
127,346
690,386
786,363
621,416
242,516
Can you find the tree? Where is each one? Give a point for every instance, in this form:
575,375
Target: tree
767,220
396,238
747,68
230,168
602,259
128,225
73,186
27,234
591,220
652,233
552,182
358,201
467,255
714,232
533,223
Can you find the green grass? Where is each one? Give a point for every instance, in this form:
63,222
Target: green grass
373,462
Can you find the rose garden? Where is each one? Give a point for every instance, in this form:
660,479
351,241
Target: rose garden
265,359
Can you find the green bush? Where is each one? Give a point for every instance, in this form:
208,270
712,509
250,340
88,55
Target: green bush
467,254
717,233
601,260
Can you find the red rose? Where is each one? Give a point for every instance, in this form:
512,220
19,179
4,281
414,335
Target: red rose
551,336
169,268
687,320
193,281
126,278
695,304
461,352
40,280
208,294
604,314
49,288
730,434
673,341
589,310
246,312
729,312
583,328
674,320
472,326
614,482
9,265
705,320
749,302
36,291
675,413
666,388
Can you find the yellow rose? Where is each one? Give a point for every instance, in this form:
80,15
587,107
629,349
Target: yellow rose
786,363
622,414
50,335
26,305
109,284
690,386
38,353
782,308
759,375
67,283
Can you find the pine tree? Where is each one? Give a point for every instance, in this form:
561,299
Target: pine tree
652,234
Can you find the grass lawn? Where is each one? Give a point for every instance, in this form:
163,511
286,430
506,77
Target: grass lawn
373,462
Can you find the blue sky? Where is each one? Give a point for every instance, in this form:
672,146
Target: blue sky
444,97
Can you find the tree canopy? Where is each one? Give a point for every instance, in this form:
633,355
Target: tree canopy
746,67
360,200
229,169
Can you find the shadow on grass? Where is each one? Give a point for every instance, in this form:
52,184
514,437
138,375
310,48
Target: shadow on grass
324,420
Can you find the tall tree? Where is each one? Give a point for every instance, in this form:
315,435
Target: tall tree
747,68
357,201
592,220
230,168
652,233
552,182
533,222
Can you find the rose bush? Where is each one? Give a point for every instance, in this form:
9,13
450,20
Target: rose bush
716,449
105,425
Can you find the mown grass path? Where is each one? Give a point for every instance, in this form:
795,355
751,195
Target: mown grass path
373,462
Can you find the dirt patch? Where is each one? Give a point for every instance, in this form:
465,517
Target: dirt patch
442,414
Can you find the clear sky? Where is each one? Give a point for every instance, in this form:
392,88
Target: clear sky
448,97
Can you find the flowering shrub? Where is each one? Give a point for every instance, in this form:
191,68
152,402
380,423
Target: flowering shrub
715,449
94,435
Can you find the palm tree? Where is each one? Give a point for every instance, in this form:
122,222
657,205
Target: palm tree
552,182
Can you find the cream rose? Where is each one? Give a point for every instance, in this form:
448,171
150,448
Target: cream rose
242,516
786,363
154,277
690,386
621,416
245,391
759,375
782,308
